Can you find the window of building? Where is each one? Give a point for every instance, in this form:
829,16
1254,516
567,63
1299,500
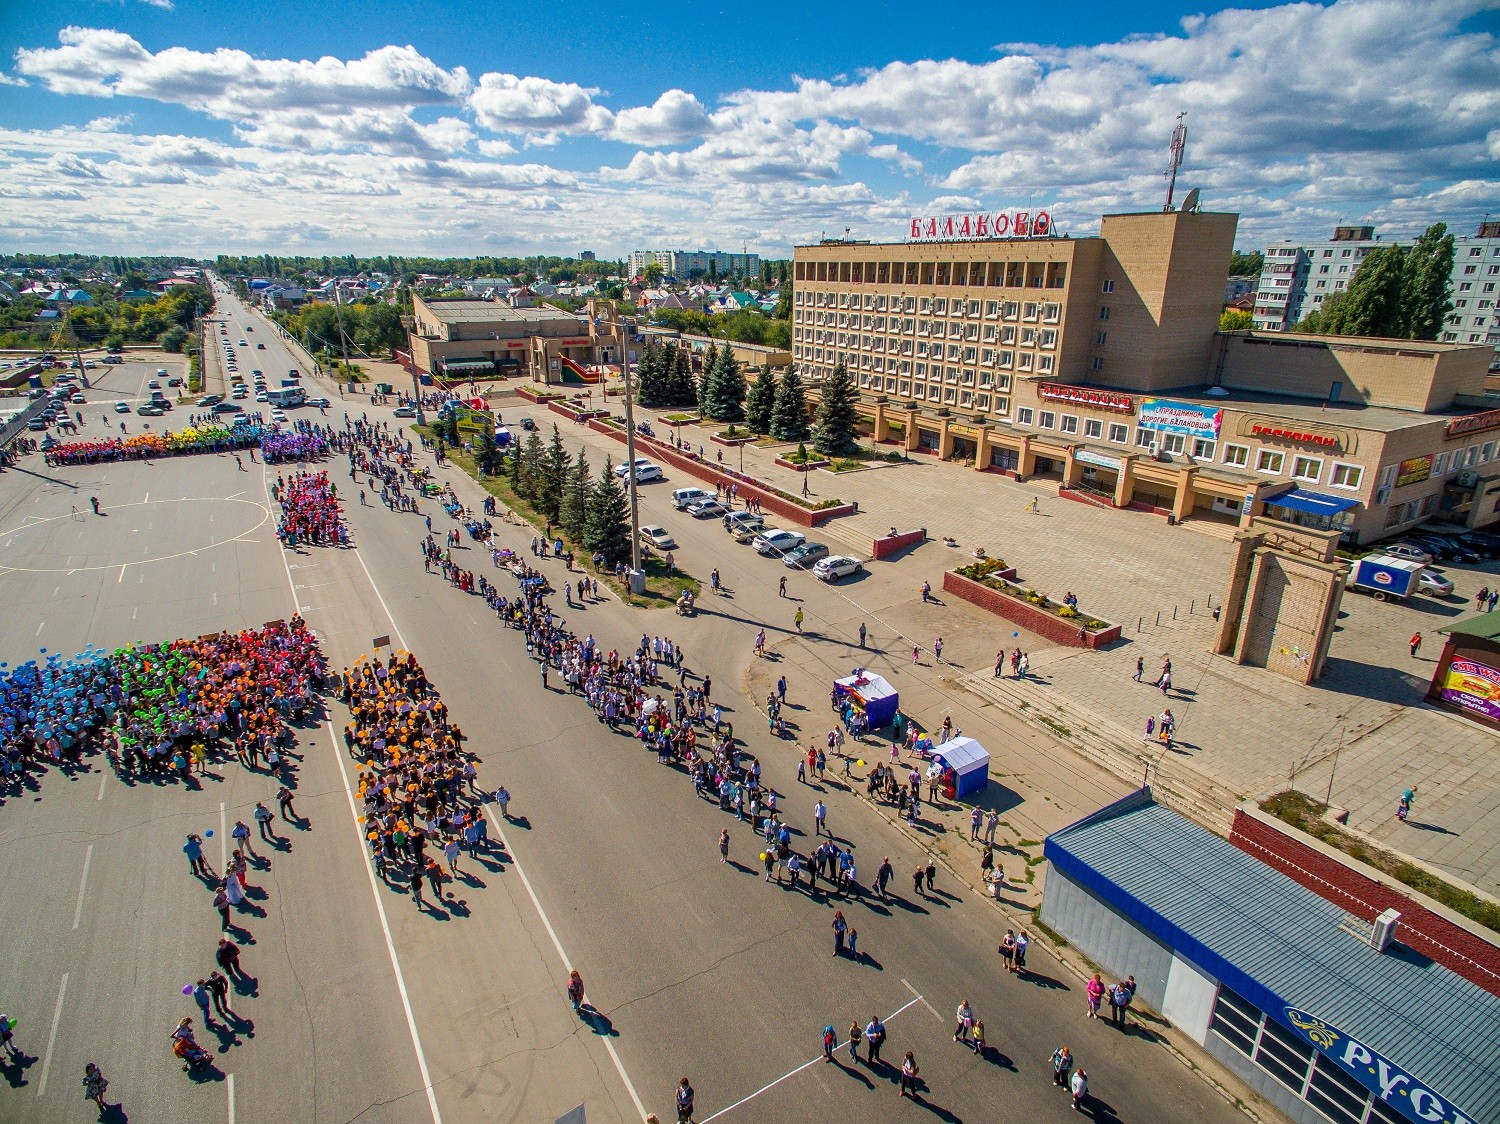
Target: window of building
1011,310
1069,423
1050,313
1202,449
1007,335
1172,442
1118,433
1096,364
1093,427
1237,456
1108,286
905,390
992,308
1023,415
1470,270
1269,462
940,307
1044,364
1046,419
1028,310
1307,468
1007,358
1104,312
1145,438
1346,476
1026,358
1100,337
1047,338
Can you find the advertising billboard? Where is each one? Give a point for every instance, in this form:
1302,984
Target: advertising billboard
1413,471
1168,416
1473,686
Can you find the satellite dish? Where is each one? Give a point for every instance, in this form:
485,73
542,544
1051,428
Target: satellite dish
1191,202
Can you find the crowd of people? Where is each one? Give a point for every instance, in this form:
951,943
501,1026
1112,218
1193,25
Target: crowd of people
164,708
310,510
193,440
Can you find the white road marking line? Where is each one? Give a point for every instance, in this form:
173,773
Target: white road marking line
557,944
83,881
385,925
229,1081
800,1068
216,597
41,1085
147,499
223,842
122,575
58,590
134,611
39,628
924,1002
103,780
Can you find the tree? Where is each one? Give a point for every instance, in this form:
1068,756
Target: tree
724,393
531,455
377,327
606,530
572,517
487,456
789,413
653,274
1233,320
837,432
1372,303
710,359
173,338
1425,284
760,401
552,477
1246,265
650,381
682,387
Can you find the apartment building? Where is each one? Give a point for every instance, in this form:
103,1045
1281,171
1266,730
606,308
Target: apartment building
1096,363
685,264
1476,290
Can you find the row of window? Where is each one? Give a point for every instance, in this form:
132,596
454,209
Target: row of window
949,395
927,306
1308,1073
997,274
1005,359
1028,337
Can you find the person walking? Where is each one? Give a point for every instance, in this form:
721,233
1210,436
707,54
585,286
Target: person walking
262,817
221,903
240,833
965,1017
820,817
916,881
883,875
861,634
724,845
1119,1002
575,990
991,823
193,849
937,648
976,817
502,798
930,872
909,1073
926,592
684,1102
227,957
1080,1088
1140,668
1416,644
284,801
1062,1066
999,663
1095,992
416,885
797,618
840,931
781,588
854,1036
95,1085
218,990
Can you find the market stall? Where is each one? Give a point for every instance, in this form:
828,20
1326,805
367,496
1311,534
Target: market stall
871,695
965,764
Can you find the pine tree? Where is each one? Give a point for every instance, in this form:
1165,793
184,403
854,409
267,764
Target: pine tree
724,400
1425,286
487,456
649,374
710,360
837,433
514,465
789,414
683,387
573,515
552,477
760,401
606,530
531,468
1372,303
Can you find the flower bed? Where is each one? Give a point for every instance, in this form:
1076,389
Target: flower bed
1031,610
539,396
741,437
804,466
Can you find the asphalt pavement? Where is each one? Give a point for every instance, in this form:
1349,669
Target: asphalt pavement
366,1007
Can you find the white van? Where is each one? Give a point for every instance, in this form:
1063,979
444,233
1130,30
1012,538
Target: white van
684,496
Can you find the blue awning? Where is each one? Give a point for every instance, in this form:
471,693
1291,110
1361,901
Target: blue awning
1313,503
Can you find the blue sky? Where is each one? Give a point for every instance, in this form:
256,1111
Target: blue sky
546,127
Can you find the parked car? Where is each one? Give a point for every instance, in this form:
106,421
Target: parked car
805,555
682,497
777,541
405,412
1434,584
77,398
1487,544
174,381
644,473
124,407
1410,551
153,384
319,403
227,408
738,521
706,509
38,424
150,411
210,400
1447,547
838,566
261,346
658,537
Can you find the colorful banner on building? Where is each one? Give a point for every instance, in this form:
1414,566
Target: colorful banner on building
1413,471
1473,686
1168,416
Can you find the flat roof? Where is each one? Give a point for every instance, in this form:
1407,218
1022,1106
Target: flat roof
1382,419
1354,343
473,311
1280,945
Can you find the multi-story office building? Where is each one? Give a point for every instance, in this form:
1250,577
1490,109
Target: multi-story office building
684,264
1096,363
463,338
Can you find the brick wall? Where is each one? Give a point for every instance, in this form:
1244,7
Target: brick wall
771,503
1028,616
887,545
1456,948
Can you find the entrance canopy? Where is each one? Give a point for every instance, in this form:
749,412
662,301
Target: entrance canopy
871,693
1312,503
462,366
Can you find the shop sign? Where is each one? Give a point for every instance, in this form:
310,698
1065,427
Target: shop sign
1017,224
1249,503
1473,686
1099,460
574,343
964,431
1377,1073
1413,471
1474,423
1294,434
1087,396
1188,418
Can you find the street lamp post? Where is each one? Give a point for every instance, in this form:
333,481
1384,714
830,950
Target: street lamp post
637,578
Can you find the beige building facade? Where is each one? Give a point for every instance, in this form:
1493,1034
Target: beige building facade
479,338
1096,363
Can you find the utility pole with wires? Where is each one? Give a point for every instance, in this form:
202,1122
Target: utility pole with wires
1174,161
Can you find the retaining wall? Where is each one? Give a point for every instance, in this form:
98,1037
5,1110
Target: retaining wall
1028,616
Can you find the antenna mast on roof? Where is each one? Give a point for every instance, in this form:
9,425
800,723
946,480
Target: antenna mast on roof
1179,143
